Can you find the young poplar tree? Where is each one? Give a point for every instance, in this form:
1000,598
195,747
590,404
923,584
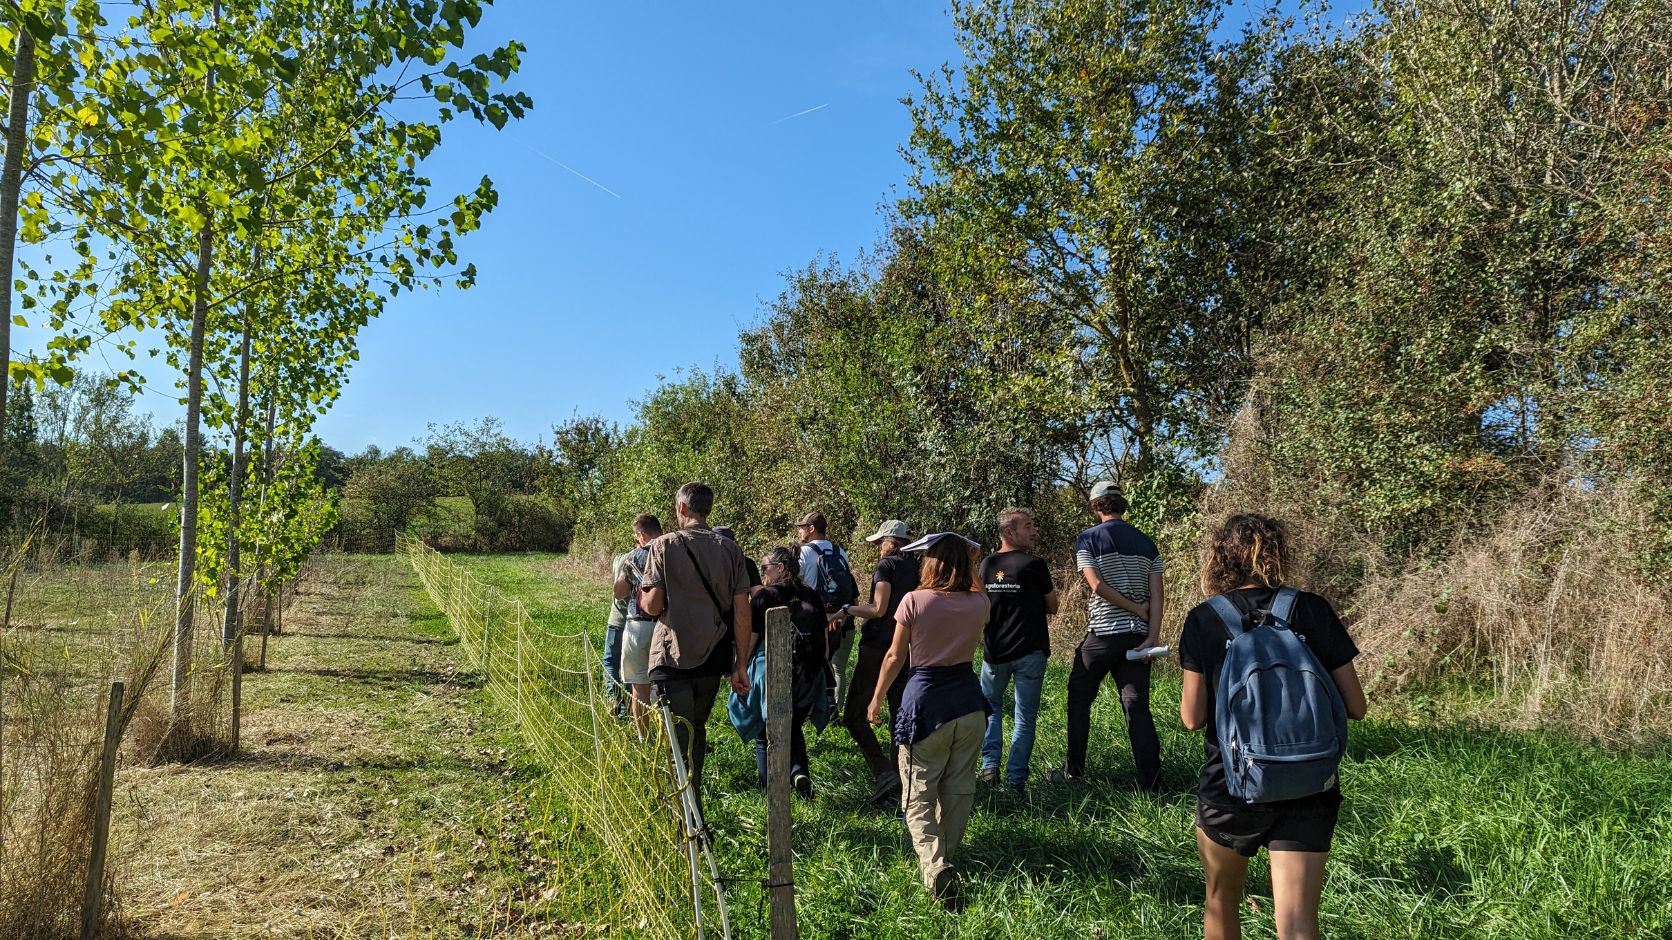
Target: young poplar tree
277,158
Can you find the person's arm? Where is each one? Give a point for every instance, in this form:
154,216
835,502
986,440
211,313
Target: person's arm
653,601
1157,598
881,591
743,634
622,586
653,593
1193,700
1052,601
891,663
1094,580
1352,692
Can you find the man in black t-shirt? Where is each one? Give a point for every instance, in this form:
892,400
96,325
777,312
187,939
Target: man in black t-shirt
1017,643
895,577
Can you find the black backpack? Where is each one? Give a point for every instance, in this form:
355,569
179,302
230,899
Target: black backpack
811,656
835,582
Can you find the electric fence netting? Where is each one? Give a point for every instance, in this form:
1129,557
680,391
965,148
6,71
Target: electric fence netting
613,777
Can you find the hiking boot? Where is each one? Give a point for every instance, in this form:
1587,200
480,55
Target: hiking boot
989,776
945,889
1019,788
885,793
803,785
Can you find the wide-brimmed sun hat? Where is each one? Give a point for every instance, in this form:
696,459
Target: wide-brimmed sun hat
922,544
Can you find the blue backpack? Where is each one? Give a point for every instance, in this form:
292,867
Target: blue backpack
836,585
1281,722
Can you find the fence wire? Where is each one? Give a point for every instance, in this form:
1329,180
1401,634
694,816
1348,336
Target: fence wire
613,775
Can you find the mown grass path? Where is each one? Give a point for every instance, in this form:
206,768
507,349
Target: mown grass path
373,796
1448,831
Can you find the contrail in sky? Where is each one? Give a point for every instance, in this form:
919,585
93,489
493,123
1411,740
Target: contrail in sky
576,172
800,113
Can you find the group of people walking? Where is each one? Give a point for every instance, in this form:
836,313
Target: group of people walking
1268,674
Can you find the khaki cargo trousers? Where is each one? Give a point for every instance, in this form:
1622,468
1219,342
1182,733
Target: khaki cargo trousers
937,790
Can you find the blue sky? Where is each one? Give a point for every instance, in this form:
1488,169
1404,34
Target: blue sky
682,112
721,146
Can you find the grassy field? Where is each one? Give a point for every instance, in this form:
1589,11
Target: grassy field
1450,829
383,791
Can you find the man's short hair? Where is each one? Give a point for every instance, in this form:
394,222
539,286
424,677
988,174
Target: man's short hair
697,498
1008,518
1113,504
647,525
816,520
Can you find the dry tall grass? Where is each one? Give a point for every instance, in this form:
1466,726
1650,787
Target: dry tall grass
1548,603
53,694
1543,599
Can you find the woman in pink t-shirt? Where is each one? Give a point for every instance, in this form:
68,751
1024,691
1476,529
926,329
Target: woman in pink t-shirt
942,715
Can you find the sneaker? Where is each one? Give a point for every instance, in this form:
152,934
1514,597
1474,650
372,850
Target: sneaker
989,776
803,785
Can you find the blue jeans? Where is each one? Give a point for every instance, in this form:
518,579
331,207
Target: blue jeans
1029,673
612,663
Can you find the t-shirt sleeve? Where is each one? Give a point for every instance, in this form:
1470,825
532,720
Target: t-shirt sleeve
1155,564
1191,658
1042,576
884,573
1327,635
809,565
907,611
653,562
1083,557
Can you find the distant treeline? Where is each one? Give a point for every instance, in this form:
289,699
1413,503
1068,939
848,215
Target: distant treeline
82,466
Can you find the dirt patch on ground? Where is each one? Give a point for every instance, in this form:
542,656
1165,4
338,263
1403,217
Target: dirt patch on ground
370,773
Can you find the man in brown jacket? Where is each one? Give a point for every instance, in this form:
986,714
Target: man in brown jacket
697,588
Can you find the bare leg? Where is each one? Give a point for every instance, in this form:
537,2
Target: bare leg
1297,882
1226,873
643,715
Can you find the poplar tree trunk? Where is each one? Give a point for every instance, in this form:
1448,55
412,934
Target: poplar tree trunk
11,186
261,547
231,623
184,590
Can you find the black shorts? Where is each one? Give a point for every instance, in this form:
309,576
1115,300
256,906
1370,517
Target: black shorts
1279,830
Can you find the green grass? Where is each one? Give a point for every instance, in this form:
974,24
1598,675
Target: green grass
1449,830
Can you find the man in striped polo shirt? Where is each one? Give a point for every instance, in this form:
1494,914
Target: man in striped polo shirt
1123,569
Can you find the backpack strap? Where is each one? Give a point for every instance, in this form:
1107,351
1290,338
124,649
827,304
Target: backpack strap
1228,614
1283,605
719,608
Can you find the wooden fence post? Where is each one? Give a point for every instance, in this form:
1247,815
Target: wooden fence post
780,708
92,899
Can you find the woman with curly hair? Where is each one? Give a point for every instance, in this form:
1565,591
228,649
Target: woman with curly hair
1245,563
